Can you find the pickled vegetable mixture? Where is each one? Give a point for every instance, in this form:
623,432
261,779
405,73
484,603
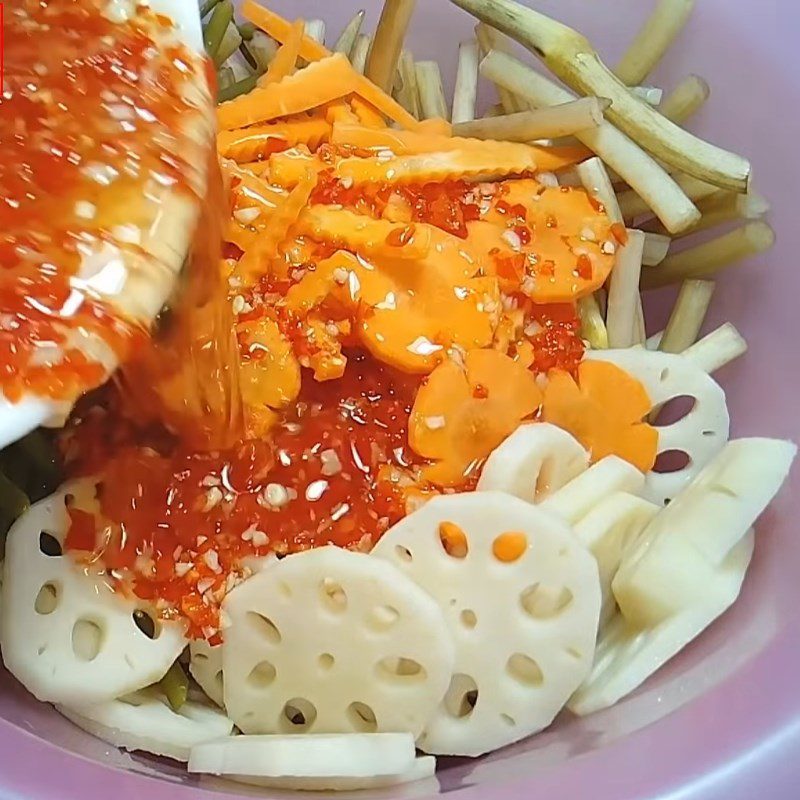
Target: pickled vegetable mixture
391,333
88,120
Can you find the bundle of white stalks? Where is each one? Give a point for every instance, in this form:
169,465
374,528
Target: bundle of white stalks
347,38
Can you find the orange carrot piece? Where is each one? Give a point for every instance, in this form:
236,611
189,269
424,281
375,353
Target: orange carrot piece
280,30
259,141
340,112
604,411
256,259
462,413
285,61
367,114
317,84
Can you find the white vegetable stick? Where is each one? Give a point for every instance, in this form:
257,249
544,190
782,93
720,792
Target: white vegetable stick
315,29
466,91
623,292
347,38
594,178
654,39
652,95
636,167
656,247
654,341
489,39
687,317
360,52
717,348
708,258
685,99
387,43
639,328
533,126
633,206
431,92
593,326
407,92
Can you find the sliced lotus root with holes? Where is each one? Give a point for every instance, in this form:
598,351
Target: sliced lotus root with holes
533,462
66,635
576,499
205,664
668,569
144,721
521,597
627,655
612,526
331,641
697,436
339,762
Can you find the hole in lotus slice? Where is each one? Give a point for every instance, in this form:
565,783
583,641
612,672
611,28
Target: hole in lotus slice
382,618
49,545
205,665
262,675
362,718
671,461
300,714
404,554
669,377
333,595
509,546
146,623
462,696
87,639
264,627
525,670
468,618
47,600
543,601
357,631
67,636
453,539
554,576
674,411
401,669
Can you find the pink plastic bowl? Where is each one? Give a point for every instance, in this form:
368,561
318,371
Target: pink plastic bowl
722,720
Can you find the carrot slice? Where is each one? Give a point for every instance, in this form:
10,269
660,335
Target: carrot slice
359,234
319,83
462,413
285,60
256,259
280,30
261,141
387,105
269,373
604,411
367,114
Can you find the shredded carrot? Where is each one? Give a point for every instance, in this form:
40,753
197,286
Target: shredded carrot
319,83
462,413
604,411
387,105
265,248
285,60
260,141
340,112
280,30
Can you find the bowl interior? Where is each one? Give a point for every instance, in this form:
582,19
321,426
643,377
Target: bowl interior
715,722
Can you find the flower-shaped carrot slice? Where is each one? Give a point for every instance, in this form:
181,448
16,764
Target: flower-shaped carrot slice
269,373
603,411
557,242
462,413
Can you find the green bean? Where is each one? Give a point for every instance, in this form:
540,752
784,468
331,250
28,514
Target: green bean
246,30
207,7
248,56
215,30
228,46
175,685
234,90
